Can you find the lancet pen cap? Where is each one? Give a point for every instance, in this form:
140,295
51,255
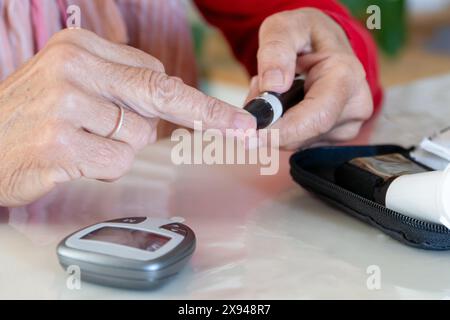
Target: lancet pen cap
270,106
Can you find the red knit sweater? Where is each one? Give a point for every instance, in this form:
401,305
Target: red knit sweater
240,20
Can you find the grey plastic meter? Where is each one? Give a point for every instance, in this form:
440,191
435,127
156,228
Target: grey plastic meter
136,253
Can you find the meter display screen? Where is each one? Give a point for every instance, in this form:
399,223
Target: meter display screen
139,239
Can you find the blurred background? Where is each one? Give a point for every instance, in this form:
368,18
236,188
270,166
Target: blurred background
414,43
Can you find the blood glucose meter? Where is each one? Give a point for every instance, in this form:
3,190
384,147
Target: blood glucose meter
137,253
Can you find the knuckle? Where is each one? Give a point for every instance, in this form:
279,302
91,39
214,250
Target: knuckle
54,136
347,65
298,132
67,95
111,158
279,20
341,68
322,123
213,111
158,65
105,156
69,35
61,36
163,89
277,48
67,100
65,57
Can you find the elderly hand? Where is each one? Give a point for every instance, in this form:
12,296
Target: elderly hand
57,113
338,98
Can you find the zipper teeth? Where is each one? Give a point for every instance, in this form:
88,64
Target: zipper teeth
427,226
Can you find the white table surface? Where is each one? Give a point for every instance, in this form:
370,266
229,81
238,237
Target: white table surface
258,236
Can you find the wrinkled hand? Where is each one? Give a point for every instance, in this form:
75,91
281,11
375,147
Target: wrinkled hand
57,110
338,98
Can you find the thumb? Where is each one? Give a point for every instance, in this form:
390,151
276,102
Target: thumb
280,42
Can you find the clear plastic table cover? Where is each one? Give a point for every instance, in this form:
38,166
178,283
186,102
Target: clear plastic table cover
259,237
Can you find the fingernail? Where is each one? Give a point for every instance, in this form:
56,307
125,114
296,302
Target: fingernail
244,121
273,78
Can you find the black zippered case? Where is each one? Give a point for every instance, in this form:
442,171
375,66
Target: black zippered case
314,170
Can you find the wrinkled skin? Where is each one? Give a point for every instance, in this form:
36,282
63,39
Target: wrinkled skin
57,111
338,98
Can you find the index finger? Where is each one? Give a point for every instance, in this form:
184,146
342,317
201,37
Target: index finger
155,94
182,104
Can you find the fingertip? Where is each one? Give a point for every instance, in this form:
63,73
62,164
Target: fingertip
244,120
275,80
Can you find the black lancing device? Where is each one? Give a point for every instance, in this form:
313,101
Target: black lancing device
270,106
